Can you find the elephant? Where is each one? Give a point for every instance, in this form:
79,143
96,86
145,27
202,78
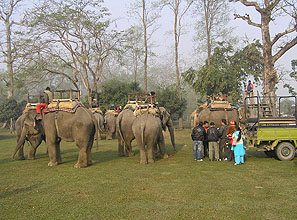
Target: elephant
207,114
110,124
125,134
100,123
26,129
78,127
147,129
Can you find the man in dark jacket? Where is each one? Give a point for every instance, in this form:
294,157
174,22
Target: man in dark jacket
198,135
205,141
223,138
213,138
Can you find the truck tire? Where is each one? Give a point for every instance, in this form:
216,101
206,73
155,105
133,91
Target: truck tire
285,151
270,153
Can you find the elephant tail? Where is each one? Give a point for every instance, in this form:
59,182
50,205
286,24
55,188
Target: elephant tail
142,128
118,125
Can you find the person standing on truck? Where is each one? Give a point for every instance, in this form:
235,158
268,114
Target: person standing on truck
238,147
198,135
250,89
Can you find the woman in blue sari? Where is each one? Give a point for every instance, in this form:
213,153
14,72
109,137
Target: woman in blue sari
238,148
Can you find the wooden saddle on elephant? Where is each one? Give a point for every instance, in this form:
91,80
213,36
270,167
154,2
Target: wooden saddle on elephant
113,112
96,110
30,106
150,108
64,105
220,105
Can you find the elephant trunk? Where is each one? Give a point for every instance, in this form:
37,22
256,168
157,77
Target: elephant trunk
171,131
21,142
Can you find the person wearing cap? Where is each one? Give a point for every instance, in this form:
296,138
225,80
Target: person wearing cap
229,133
213,138
48,98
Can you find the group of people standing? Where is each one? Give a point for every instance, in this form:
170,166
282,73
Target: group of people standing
225,143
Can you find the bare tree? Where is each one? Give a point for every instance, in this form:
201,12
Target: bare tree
150,12
212,23
76,38
179,9
273,47
7,9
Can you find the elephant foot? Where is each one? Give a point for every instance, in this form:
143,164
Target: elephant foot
130,154
79,165
52,164
21,158
151,161
90,163
143,161
165,156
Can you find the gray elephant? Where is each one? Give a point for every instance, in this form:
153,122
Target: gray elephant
125,134
147,129
27,129
78,127
110,124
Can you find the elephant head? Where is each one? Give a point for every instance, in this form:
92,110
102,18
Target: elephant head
167,122
32,131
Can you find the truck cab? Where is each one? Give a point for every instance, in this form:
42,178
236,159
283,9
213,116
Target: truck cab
271,125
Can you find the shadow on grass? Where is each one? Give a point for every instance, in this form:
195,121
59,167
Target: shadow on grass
5,137
18,191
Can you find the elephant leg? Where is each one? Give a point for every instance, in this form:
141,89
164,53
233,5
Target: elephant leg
21,153
89,149
82,159
143,159
150,152
129,148
161,144
58,152
121,147
51,147
31,154
108,136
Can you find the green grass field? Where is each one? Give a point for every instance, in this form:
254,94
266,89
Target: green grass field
121,188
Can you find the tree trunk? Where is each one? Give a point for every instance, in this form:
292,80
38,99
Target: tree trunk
10,83
269,75
145,44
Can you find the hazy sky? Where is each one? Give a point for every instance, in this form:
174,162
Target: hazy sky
118,9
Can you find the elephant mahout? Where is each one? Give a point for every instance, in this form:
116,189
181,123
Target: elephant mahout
27,129
72,122
125,133
110,123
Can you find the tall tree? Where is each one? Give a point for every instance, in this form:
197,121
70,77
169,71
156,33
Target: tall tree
7,9
179,9
273,47
226,72
75,35
211,26
148,15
